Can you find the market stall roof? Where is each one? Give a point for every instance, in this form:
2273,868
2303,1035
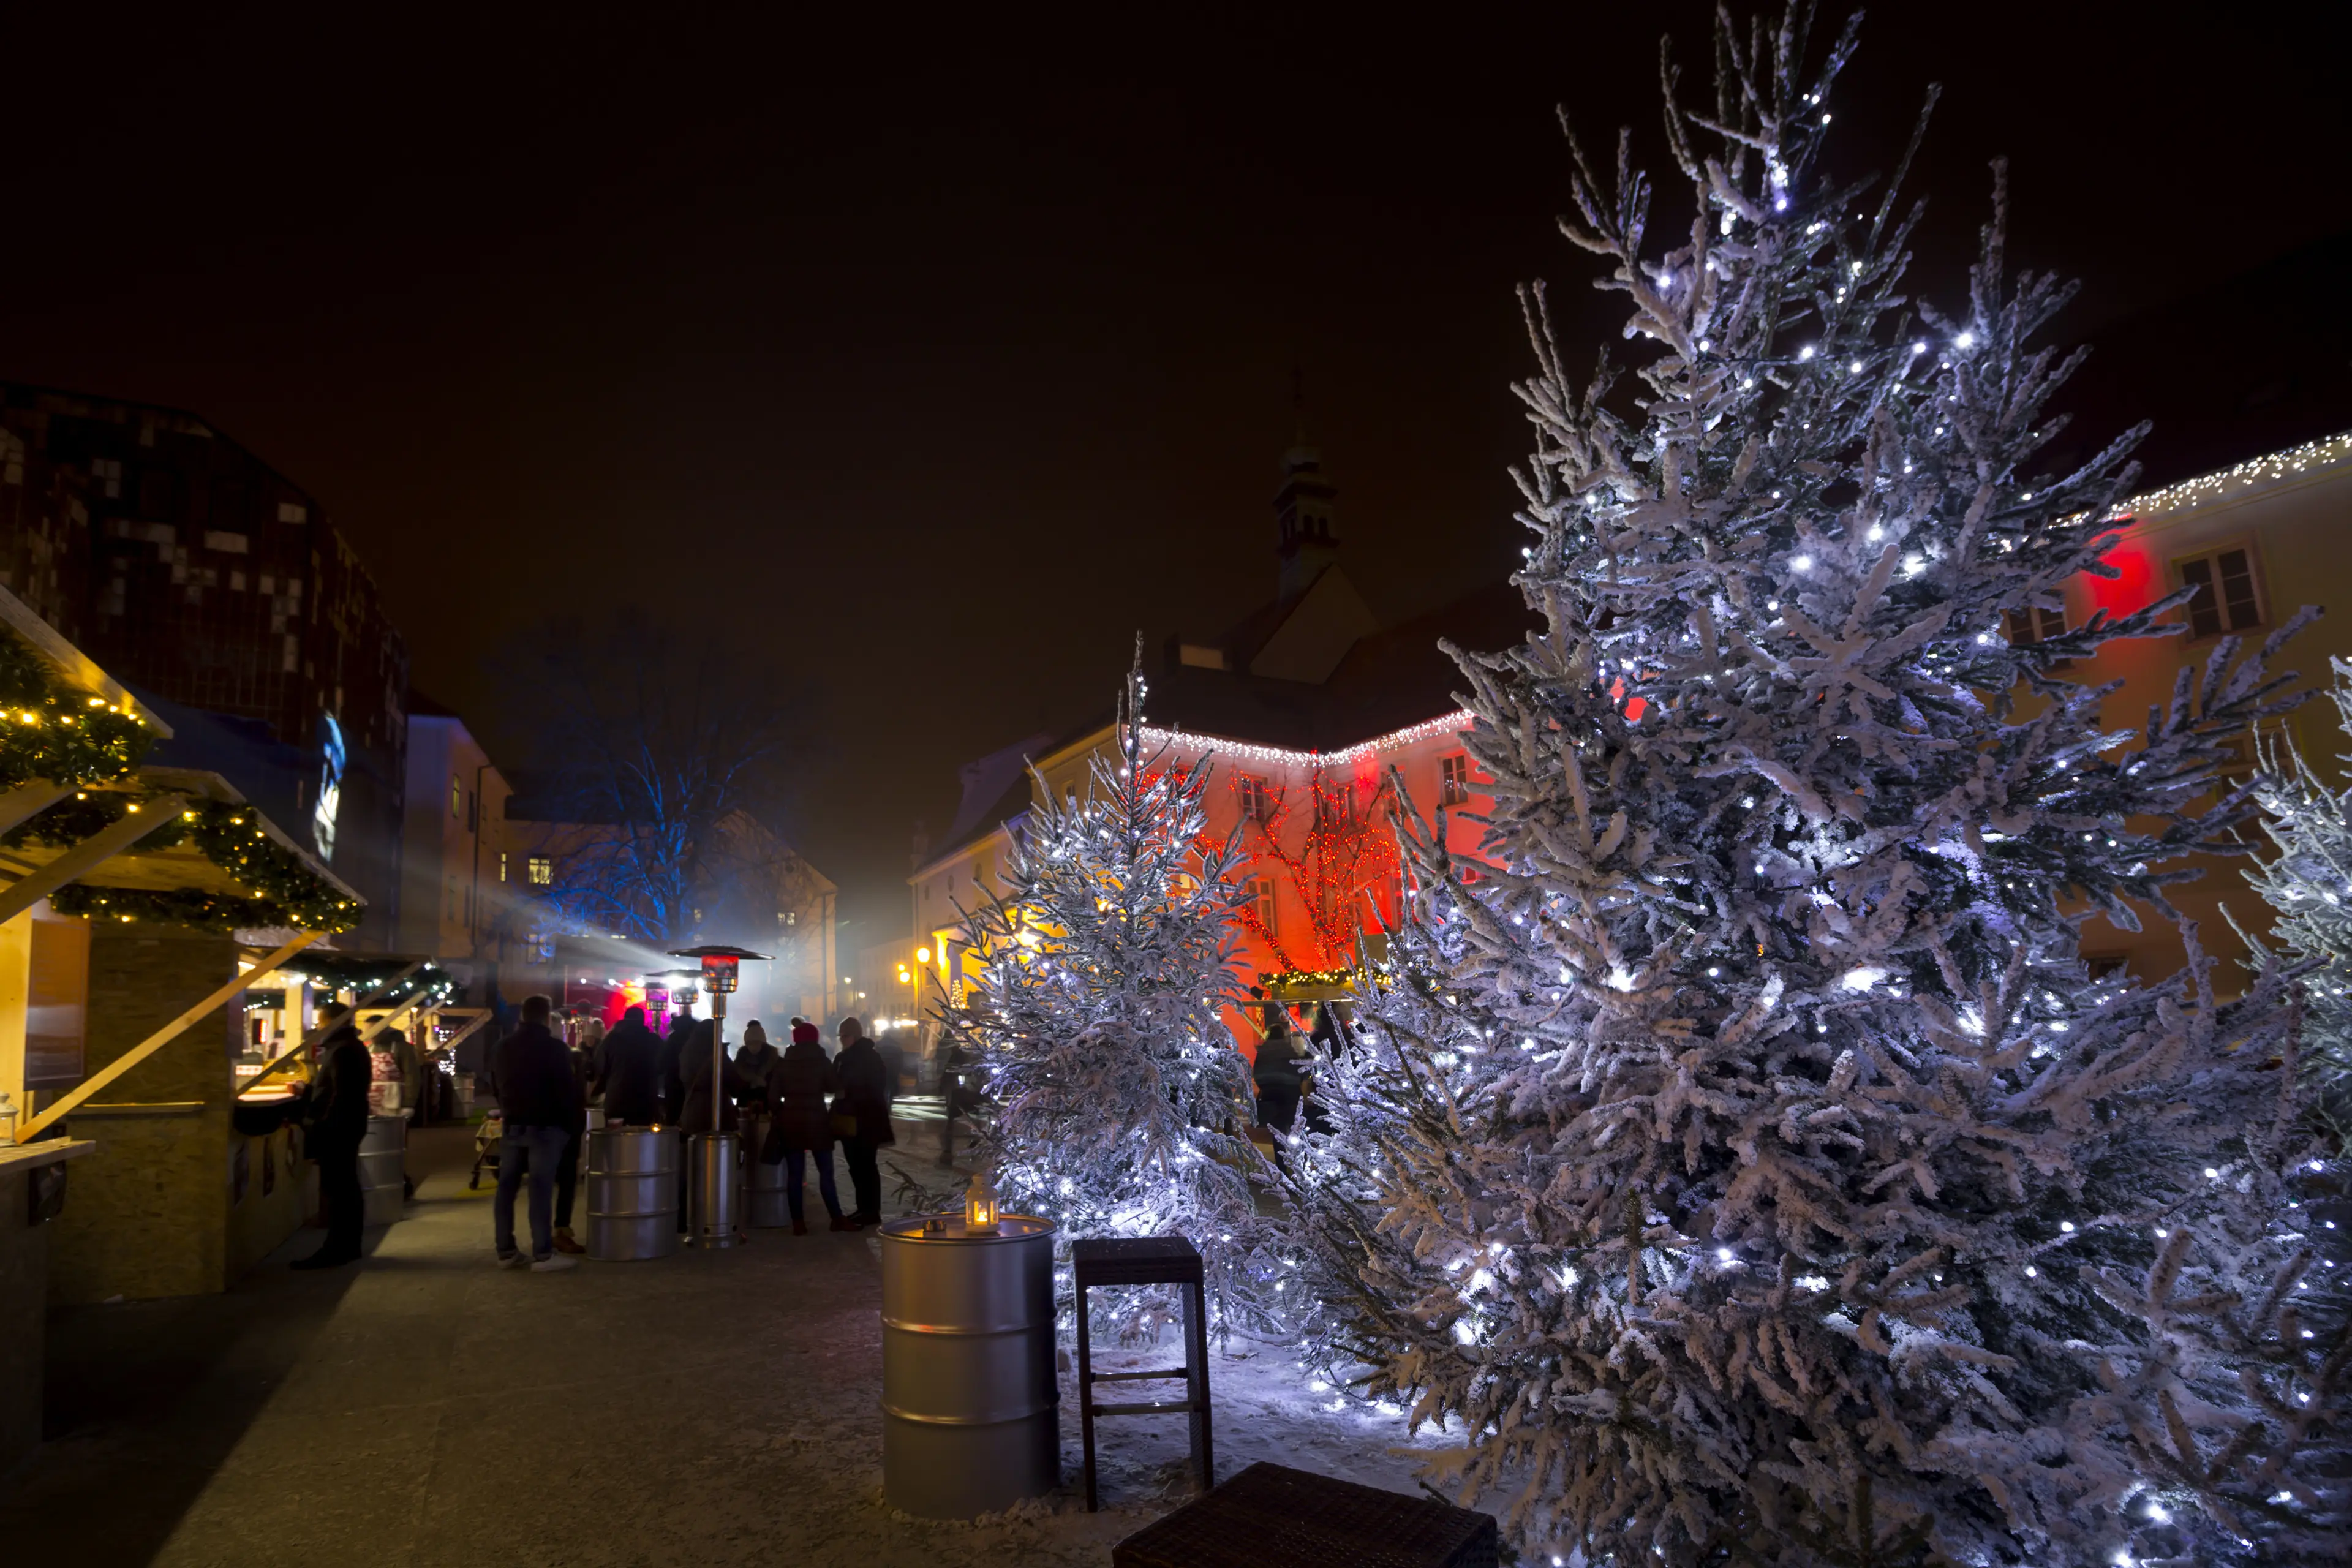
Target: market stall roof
346,971
72,667
222,870
72,742
183,864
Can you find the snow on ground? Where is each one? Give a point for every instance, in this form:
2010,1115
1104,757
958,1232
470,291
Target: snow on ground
1261,1407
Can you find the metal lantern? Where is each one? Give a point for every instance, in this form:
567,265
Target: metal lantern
980,1207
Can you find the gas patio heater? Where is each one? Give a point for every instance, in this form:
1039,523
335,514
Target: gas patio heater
711,1162
657,988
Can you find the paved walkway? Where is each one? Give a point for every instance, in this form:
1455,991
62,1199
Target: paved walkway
427,1407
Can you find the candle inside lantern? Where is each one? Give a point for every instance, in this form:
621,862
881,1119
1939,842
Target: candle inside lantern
980,1207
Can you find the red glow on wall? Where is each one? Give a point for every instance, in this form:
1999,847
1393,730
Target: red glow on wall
2136,581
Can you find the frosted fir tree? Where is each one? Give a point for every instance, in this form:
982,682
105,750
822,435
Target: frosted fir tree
1118,1096
1743,1165
2309,883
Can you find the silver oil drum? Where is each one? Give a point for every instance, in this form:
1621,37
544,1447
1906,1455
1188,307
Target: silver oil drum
971,1408
383,1168
764,1202
631,1193
712,1189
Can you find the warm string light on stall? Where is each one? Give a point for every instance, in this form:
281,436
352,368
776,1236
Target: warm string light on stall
281,889
66,737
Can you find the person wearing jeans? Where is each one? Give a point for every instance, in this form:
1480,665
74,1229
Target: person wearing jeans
798,1085
536,1154
797,1163
539,1095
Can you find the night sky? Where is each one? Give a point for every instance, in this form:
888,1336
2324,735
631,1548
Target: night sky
945,355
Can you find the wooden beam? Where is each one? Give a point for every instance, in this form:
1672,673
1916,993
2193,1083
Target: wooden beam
143,818
160,1038
452,1042
326,1026
27,800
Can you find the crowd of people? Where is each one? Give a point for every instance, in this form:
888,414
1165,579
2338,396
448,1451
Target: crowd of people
805,1101
547,1074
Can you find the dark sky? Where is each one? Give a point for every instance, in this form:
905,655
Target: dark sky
946,353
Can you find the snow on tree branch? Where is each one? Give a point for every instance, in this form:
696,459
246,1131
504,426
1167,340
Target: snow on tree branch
1746,1164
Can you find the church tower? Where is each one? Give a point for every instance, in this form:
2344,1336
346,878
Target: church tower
1307,539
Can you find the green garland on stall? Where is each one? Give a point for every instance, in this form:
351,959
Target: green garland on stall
285,891
49,731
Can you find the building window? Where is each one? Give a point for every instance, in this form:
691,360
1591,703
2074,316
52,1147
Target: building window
1257,803
2228,598
456,797
2032,626
1454,779
542,872
1261,894
502,865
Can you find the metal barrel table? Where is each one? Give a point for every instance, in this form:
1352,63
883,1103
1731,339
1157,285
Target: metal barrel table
631,1193
765,1203
970,1406
712,1189
383,1168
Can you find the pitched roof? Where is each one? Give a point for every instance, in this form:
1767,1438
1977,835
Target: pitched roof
1388,681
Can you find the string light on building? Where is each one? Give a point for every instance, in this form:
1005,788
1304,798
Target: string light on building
2312,457
1282,756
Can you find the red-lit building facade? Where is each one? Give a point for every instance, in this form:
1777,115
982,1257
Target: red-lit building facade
1318,725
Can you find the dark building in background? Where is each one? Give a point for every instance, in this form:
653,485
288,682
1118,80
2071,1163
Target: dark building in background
192,570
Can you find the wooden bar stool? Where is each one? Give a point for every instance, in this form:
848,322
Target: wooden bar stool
1149,1260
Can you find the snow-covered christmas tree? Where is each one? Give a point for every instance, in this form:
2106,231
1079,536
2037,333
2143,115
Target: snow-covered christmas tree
2309,883
1119,1097
1743,1162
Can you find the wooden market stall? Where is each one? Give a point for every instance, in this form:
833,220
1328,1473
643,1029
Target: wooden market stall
137,905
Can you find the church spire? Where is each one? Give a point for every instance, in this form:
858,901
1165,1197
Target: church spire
1307,540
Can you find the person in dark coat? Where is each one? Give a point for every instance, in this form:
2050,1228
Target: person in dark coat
800,1089
755,1057
694,1070
335,1122
1276,1070
673,1046
540,1098
629,1072
865,1093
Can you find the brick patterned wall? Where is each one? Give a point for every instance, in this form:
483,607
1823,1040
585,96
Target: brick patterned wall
146,1215
189,568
